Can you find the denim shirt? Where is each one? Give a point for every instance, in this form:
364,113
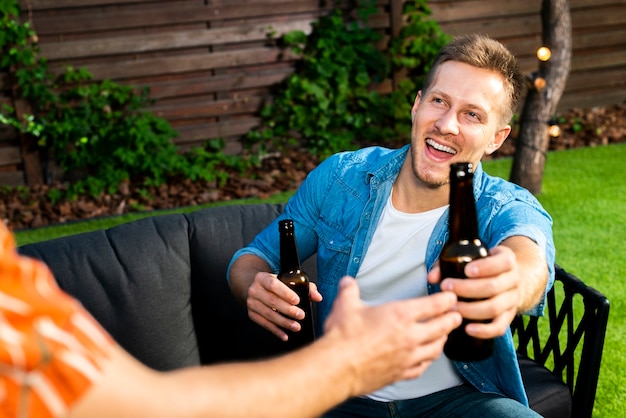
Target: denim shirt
336,211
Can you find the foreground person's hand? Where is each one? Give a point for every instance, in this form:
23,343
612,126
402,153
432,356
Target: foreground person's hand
390,342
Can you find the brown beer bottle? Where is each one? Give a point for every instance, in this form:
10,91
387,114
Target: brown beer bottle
463,246
293,276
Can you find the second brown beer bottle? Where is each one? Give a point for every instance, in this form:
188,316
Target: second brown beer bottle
293,276
463,246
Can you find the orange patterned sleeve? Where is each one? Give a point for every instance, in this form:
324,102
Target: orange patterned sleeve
51,349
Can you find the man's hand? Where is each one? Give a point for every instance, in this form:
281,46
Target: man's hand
271,304
389,342
507,282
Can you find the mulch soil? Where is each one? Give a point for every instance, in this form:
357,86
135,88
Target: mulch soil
22,208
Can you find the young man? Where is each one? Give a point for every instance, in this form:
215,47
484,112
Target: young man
56,361
380,215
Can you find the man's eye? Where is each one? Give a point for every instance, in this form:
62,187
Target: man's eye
473,115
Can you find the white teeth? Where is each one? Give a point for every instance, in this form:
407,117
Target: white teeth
440,147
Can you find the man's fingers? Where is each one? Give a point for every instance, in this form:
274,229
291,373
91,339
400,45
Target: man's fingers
277,312
501,258
269,304
314,294
434,275
497,327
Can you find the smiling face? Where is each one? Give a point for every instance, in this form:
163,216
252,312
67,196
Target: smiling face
459,118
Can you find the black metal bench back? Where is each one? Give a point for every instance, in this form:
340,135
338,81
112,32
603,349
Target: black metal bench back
571,346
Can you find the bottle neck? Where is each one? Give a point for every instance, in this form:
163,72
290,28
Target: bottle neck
289,259
463,220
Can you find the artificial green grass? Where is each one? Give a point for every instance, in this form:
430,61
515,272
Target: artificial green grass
585,192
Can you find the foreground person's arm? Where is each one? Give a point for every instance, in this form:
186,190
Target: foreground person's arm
363,348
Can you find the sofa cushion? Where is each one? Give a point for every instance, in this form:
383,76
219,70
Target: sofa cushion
547,395
135,280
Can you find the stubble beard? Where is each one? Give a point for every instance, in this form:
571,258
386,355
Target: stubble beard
426,178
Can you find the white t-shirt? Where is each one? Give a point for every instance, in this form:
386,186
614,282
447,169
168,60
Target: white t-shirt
394,268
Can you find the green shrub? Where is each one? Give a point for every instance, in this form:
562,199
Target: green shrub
100,131
329,103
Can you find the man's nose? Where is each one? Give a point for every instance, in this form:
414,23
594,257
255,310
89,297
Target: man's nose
448,124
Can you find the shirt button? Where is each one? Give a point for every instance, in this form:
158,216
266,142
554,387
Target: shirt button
465,367
331,242
356,259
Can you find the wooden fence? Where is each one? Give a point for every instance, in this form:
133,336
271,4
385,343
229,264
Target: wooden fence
210,63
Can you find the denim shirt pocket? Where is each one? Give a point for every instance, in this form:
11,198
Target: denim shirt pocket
334,248
333,253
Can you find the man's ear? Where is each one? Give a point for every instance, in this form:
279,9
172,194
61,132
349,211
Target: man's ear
498,139
416,104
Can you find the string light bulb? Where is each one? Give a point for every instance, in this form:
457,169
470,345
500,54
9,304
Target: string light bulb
539,83
544,53
553,128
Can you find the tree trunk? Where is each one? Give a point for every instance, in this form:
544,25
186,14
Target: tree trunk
541,101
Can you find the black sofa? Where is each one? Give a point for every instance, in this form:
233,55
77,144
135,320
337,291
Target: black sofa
158,286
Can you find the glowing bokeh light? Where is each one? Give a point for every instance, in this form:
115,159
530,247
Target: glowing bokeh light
544,53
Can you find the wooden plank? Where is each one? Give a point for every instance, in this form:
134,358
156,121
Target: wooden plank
29,150
8,134
450,11
199,132
64,4
592,98
4,82
10,155
497,28
194,107
599,39
169,40
12,178
203,84
598,17
172,65
603,78
455,10
61,4
117,16
592,61
4,100
579,4
162,14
